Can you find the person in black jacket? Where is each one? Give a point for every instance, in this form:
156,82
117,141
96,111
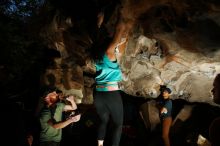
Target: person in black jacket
165,112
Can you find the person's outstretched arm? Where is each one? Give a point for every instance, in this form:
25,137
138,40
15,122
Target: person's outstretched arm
63,124
72,105
120,38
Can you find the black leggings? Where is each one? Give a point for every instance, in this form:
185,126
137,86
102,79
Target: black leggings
109,103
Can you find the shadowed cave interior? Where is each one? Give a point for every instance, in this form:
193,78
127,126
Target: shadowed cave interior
50,42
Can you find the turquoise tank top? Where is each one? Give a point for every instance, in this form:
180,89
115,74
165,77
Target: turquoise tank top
107,71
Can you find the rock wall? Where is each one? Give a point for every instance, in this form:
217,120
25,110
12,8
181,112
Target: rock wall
171,44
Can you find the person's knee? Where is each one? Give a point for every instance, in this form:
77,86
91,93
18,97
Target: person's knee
117,122
117,126
104,118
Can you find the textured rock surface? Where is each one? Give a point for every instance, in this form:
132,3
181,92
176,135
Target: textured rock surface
174,43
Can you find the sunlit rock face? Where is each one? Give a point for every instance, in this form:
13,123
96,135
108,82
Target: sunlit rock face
173,43
189,74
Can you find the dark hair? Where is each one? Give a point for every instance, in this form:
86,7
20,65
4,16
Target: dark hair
99,48
160,96
168,90
162,87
